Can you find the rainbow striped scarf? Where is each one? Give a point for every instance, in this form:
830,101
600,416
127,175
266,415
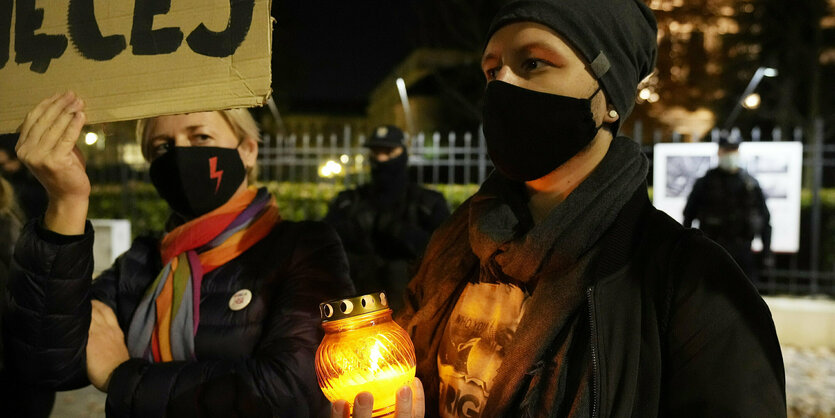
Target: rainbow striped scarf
165,322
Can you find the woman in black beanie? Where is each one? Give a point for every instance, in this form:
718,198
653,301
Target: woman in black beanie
557,289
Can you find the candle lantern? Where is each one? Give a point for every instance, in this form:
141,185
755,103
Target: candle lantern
363,350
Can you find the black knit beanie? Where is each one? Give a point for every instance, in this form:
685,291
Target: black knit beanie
617,38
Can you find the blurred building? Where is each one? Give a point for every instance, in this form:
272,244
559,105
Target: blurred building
710,49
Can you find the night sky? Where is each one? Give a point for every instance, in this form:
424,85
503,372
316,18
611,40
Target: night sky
329,55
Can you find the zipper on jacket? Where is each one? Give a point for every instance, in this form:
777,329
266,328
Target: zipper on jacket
593,343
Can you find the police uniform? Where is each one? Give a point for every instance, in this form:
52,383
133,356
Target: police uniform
385,224
731,210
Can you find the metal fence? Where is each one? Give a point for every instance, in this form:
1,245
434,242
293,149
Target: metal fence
461,158
433,158
339,160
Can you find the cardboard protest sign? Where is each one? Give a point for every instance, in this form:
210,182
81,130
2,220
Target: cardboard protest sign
134,59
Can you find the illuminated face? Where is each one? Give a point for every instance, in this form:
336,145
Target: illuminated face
202,129
534,57
383,154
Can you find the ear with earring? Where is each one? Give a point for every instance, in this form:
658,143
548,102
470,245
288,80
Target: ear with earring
613,113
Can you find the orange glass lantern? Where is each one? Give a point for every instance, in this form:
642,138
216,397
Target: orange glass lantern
363,350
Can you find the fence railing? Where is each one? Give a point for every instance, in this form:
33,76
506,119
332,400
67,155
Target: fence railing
433,158
339,160
460,158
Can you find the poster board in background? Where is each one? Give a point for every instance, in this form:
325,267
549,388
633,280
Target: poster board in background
777,166
113,238
130,60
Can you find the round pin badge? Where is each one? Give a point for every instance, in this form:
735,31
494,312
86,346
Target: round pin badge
240,299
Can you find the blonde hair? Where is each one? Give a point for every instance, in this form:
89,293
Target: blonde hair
240,120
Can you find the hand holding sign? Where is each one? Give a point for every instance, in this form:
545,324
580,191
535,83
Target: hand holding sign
47,147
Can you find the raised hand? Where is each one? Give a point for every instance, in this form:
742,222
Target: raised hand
47,147
106,347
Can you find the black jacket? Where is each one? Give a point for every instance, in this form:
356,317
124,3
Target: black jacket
675,327
730,207
254,362
383,240
17,400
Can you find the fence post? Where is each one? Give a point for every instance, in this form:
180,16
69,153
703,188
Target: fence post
318,152
288,142
303,160
817,178
450,158
436,145
336,157
360,152
346,150
756,133
468,142
265,158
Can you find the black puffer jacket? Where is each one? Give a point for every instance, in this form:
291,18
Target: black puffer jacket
257,361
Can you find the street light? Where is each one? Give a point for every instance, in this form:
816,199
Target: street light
755,80
752,101
404,100
91,138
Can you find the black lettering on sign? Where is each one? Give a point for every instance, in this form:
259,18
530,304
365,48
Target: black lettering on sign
86,35
38,49
147,41
5,30
223,44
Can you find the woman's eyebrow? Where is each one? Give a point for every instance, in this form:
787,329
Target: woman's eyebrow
159,137
488,58
545,51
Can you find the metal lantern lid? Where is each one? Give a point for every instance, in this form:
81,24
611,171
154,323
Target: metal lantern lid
354,306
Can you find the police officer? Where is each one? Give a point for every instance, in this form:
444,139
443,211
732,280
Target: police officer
730,207
385,224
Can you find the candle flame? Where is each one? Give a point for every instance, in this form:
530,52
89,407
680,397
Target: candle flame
376,356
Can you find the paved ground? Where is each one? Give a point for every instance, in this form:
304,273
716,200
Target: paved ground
81,403
810,387
810,382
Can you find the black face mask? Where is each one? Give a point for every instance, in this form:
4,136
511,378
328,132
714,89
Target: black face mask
529,133
390,177
197,180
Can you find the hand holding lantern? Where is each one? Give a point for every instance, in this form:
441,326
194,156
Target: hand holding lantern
364,350
411,403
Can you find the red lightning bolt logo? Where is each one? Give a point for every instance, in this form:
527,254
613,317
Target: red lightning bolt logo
214,173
